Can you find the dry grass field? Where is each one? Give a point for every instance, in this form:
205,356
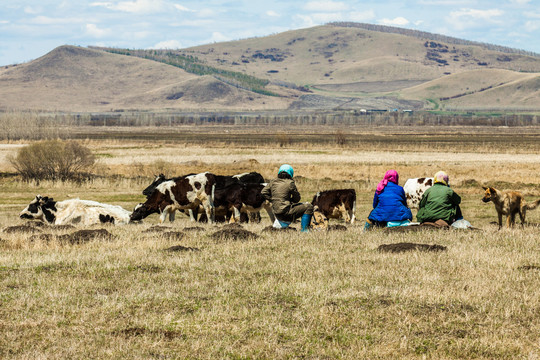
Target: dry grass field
289,295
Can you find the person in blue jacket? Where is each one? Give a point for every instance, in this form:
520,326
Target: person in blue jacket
389,203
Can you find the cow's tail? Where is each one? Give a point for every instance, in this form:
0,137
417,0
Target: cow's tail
532,205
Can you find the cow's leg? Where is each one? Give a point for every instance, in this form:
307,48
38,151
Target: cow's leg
353,212
235,215
500,219
172,215
191,215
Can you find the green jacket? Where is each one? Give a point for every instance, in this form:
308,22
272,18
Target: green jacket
282,193
438,202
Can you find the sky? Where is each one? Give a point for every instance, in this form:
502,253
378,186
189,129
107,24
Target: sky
31,28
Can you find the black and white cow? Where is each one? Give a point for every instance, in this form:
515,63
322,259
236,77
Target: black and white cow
414,190
179,193
337,204
74,211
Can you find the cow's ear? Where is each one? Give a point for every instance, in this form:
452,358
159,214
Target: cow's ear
492,190
45,199
485,188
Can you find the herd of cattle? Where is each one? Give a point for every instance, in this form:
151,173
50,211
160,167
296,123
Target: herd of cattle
213,197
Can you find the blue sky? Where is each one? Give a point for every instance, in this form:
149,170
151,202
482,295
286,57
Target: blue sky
31,28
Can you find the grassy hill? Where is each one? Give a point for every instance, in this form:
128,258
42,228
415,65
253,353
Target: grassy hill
361,65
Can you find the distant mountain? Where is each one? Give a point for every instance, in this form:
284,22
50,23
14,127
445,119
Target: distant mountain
336,66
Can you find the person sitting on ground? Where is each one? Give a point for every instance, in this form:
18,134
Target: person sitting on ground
284,195
389,203
439,202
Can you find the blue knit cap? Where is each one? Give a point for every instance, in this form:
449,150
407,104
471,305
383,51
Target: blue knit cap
286,168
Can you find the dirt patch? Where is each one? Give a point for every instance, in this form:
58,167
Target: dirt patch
173,235
21,228
424,226
403,247
194,228
140,331
231,233
529,267
232,226
181,248
273,229
83,236
336,227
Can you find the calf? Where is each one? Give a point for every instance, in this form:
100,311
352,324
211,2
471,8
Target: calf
74,211
414,190
335,204
184,192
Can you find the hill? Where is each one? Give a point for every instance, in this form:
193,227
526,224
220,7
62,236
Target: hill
79,79
336,66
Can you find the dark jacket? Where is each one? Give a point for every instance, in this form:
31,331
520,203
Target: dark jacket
439,202
390,205
282,193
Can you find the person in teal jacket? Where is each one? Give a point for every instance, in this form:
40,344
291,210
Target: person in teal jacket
439,202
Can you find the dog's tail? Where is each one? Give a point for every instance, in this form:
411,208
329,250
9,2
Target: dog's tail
532,205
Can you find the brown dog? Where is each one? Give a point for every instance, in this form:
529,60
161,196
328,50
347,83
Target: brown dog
508,203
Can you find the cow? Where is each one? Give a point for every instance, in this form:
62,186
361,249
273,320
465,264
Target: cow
179,193
250,178
414,190
335,204
74,211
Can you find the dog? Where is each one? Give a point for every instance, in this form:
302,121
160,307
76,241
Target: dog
508,203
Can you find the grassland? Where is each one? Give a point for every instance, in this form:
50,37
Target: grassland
321,295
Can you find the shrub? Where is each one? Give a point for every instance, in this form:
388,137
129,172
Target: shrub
53,160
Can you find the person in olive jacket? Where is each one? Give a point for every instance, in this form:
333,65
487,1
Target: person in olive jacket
439,202
284,195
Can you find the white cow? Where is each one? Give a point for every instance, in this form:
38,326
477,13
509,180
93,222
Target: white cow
74,212
414,190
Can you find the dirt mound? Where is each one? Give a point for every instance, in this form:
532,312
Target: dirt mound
83,236
231,233
194,228
21,228
232,226
173,235
156,228
273,229
529,267
181,248
403,247
62,227
336,227
41,237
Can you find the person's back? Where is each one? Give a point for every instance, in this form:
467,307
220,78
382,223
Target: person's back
390,205
439,202
282,193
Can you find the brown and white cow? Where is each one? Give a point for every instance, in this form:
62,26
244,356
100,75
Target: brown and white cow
179,193
335,204
414,190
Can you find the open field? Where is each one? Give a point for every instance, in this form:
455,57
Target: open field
321,295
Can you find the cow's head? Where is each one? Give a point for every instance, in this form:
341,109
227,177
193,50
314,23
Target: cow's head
140,211
489,194
150,189
41,208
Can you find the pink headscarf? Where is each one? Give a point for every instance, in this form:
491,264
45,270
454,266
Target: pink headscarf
390,176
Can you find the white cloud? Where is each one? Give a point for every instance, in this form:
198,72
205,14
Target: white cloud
399,21
531,26
182,8
167,44
325,6
445,2
361,16
272,13
31,10
93,31
217,37
3,22
532,15
137,6
520,2
207,13
469,18
45,20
